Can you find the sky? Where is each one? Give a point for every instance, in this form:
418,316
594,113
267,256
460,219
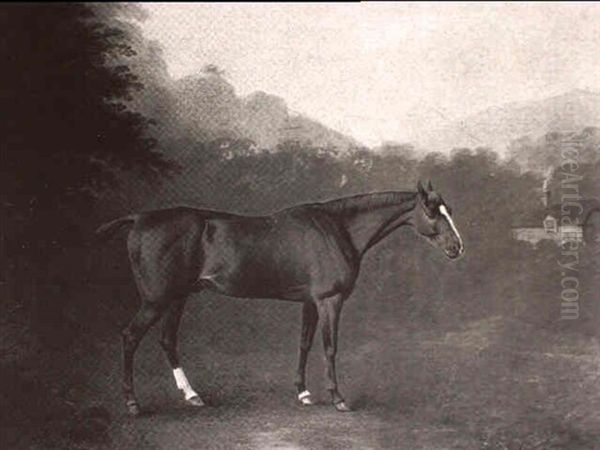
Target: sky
386,71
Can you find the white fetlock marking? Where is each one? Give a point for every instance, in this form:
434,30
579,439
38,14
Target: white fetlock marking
183,384
180,378
303,395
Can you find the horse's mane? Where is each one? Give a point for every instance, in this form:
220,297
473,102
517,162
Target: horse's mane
365,202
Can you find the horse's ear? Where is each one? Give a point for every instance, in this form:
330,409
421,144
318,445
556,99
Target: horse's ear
429,186
421,190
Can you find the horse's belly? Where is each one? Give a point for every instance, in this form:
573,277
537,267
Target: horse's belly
256,280
255,272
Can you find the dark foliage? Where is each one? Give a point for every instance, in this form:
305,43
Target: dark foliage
65,128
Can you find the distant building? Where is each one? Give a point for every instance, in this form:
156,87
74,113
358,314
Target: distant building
569,220
579,222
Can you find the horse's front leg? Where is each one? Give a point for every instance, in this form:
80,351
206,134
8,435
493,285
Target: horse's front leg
310,317
329,310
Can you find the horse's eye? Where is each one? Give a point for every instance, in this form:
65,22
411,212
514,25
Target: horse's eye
432,212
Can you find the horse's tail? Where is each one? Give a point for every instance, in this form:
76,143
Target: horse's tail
108,229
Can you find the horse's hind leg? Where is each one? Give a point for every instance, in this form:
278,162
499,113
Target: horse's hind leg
147,315
168,342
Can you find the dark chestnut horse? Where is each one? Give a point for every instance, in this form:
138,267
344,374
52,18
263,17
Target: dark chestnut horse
309,253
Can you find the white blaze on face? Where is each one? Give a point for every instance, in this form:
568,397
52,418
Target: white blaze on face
445,213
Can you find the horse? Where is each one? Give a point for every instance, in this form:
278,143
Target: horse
309,253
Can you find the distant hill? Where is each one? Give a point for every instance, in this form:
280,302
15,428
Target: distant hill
208,107
496,127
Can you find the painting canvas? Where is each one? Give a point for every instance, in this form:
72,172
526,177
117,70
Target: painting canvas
300,225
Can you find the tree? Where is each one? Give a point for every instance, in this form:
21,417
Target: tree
65,127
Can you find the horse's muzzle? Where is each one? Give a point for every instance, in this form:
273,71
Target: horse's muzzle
454,251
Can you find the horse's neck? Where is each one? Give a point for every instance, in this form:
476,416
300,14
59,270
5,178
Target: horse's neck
370,218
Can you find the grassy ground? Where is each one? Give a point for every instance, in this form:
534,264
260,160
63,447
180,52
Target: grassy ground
496,382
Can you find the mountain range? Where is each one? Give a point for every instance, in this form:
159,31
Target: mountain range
498,126
207,106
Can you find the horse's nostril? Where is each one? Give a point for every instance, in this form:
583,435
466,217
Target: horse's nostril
456,249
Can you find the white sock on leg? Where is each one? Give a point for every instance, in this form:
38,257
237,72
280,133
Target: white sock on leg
304,398
183,383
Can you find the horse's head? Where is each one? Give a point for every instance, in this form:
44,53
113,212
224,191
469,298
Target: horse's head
433,220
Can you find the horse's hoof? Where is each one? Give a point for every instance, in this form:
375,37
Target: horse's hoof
195,401
341,406
133,409
306,401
